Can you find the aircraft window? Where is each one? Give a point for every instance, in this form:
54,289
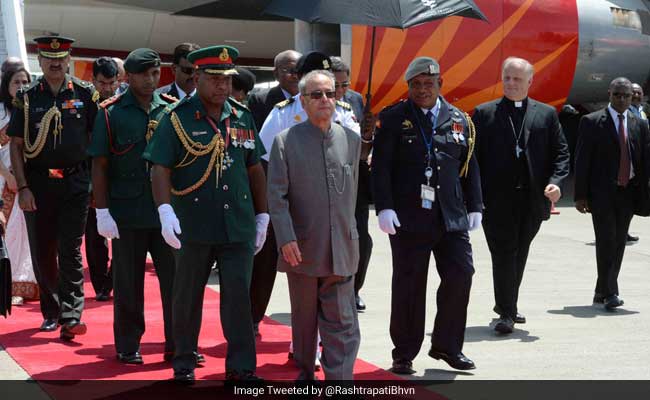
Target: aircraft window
626,18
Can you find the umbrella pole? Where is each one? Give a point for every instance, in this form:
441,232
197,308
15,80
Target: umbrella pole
372,57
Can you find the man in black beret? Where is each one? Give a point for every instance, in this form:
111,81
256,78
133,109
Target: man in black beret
124,204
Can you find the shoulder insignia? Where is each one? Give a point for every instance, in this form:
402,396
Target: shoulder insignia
285,103
168,97
343,104
239,105
95,97
110,100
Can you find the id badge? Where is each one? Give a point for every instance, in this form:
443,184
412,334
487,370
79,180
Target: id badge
428,196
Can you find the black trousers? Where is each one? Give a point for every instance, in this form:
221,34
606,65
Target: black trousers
361,213
55,232
411,254
193,265
611,226
130,258
509,231
97,256
263,277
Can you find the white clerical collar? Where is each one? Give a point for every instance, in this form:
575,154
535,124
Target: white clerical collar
181,92
433,110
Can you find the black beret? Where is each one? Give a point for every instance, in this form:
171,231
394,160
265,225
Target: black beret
244,79
140,60
313,61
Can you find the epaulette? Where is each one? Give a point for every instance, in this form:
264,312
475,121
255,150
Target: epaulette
18,101
237,104
110,100
344,104
172,106
168,97
285,103
82,83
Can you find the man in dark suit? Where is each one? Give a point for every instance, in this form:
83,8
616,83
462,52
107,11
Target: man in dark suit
261,104
284,71
343,92
424,173
183,72
523,158
612,169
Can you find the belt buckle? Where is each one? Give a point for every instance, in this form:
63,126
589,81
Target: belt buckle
55,173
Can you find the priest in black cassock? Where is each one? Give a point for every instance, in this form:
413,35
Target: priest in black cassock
523,157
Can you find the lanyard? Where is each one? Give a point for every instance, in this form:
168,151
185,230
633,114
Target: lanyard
218,131
427,143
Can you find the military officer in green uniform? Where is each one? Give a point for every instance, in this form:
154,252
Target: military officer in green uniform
50,129
206,156
125,209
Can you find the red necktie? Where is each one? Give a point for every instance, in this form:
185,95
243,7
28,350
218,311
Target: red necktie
624,163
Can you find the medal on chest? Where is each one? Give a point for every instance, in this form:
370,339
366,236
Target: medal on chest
457,129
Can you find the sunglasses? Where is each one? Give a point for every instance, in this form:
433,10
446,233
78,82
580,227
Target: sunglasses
316,95
343,85
187,70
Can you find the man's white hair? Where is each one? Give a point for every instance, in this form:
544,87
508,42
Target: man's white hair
518,62
302,85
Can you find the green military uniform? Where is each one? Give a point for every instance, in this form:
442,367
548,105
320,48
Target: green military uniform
55,129
122,130
213,202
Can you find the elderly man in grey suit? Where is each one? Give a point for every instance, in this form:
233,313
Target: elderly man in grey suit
312,178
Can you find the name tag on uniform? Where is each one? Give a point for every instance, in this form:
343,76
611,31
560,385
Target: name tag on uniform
428,196
199,133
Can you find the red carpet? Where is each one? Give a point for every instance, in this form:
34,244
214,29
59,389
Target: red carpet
92,356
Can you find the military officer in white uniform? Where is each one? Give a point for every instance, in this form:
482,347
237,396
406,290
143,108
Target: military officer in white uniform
290,112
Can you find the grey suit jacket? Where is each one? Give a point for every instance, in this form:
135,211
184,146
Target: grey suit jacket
312,189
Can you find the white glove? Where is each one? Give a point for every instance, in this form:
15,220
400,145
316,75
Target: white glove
261,225
106,225
388,221
170,225
474,219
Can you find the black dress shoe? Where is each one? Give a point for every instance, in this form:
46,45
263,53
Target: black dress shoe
504,325
104,295
169,355
402,367
613,301
130,358
243,376
361,306
71,328
599,298
184,376
631,238
456,361
48,325
519,319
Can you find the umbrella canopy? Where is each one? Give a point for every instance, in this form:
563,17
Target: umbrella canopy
388,13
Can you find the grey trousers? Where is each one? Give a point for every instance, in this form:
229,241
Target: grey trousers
326,304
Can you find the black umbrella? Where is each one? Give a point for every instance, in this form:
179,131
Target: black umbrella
389,13
5,277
